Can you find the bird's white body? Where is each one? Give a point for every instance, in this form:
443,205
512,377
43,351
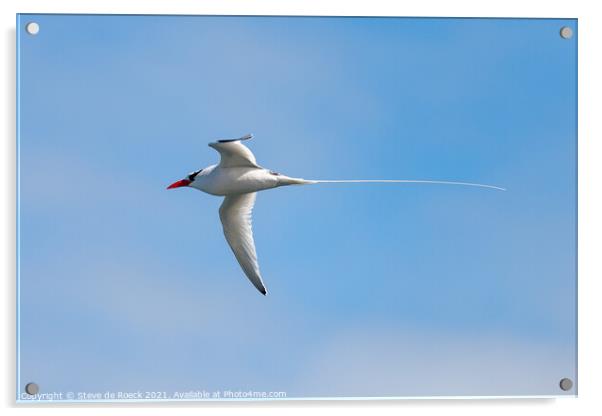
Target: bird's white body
219,181
238,178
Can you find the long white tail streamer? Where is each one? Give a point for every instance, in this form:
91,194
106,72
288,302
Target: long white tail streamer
480,185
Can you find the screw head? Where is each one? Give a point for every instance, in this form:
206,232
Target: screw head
566,32
32,28
566,384
32,388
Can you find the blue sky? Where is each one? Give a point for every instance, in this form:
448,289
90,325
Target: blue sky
375,290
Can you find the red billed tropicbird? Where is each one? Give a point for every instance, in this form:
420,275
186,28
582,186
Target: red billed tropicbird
238,178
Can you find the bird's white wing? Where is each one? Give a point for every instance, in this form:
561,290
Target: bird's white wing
235,154
235,214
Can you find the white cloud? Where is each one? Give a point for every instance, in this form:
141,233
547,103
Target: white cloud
366,361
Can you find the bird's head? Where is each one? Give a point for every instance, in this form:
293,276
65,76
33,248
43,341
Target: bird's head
189,179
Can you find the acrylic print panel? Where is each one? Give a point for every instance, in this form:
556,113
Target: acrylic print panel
130,291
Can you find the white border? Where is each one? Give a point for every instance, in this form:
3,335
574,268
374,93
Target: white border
590,201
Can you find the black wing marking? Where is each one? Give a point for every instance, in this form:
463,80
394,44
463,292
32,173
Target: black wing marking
245,137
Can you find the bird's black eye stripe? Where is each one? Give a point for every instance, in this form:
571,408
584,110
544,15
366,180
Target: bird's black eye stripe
193,175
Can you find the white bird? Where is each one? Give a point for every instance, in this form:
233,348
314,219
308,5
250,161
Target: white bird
238,178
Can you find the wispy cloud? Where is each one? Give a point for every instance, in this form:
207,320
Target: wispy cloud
377,361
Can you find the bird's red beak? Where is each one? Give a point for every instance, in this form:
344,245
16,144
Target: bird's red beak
178,184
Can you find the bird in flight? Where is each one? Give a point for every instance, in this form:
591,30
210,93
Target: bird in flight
238,178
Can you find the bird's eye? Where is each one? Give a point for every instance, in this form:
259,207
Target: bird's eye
193,175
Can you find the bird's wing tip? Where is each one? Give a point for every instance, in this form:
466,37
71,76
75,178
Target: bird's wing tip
248,136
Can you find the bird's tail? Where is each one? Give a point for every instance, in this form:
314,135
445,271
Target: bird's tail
297,181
